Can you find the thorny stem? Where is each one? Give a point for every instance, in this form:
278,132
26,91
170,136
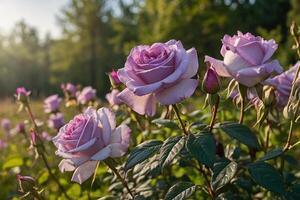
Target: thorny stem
214,114
242,110
179,119
210,190
112,167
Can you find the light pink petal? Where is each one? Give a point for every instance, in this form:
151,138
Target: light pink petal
102,154
252,52
218,65
193,64
178,92
121,135
66,165
84,171
143,105
253,75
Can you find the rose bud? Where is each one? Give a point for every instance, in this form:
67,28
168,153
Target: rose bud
269,97
33,137
114,78
211,83
52,103
69,88
26,183
20,128
56,120
22,95
88,138
86,95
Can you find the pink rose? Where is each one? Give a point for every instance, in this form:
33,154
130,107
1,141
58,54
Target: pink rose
113,98
89,137
86,95
162,72
52,103
246,59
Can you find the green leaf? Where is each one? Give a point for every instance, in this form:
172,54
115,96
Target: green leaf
43,177
181,190
142,152
203,148
13,162
171,147
266,176
294,193
241,133
166,123
223,172
272,154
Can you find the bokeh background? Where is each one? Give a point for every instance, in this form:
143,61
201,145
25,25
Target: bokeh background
45,43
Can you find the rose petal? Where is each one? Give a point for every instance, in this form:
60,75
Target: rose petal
83,147
118,150
270,47
108,123
252,52
193,64
84,171
178,92
233,63
218,65
66,165
141,104
102,154
252,75
121,135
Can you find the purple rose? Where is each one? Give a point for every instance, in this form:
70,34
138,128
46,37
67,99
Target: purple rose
113,98
69,88
86,95
246,59
52,103
56,120
89,137
283,85
161,72
6,124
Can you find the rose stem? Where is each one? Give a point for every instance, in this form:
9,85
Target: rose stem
112,167
242,91
43,156
214,111
180,121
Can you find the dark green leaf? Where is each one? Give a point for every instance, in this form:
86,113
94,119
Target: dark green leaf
166,123
181,190
171,147
142,152
293,193
203,148
241,133
224,170
272,154
267,176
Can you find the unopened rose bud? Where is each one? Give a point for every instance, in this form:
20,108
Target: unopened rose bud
20,128
33,138
211,83
22,94
26,183
268,97
114,78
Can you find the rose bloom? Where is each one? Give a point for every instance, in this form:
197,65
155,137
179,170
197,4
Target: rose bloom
22,91
162,72
113,98
56,120
246,59
6,124
69,88
52,103
88,138
86,95
283,85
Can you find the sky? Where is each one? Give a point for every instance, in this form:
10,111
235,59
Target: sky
38,13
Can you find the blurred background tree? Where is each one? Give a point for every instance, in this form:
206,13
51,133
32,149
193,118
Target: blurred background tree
98,35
